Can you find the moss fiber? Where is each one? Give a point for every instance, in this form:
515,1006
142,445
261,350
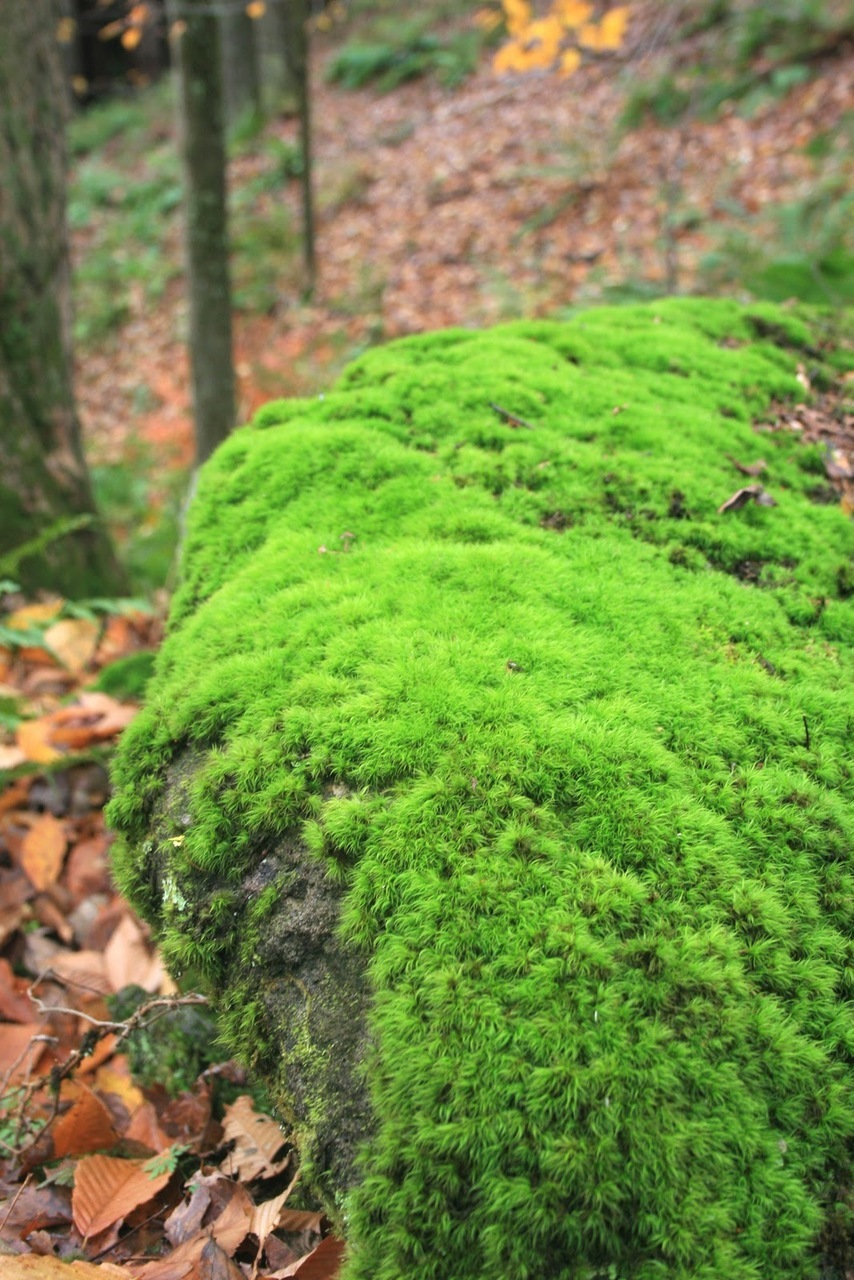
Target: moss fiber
579,749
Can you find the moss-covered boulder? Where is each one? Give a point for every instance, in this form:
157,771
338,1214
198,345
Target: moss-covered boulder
498,786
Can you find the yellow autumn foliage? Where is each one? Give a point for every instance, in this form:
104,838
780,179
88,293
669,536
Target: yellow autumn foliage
557,38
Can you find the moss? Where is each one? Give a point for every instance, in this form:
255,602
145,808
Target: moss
578,791
127,677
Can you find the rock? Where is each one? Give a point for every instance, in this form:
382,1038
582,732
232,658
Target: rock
507,819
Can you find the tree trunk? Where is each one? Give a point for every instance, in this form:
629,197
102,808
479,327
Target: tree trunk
279,89
241,77
203,144
49,531
296,52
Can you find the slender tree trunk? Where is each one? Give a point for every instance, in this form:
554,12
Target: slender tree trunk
196,46
296,51
46,502
240,70
271,41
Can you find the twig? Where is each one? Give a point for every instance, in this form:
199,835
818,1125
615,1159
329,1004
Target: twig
8,1212
806,733
99,1031
510,418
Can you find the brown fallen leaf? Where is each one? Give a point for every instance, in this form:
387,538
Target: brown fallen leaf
32,1266
15,1004
323,1263
750,493
266,1216
107,1189
11,756
748,469
43,850
257,1140
215,1264
838,465
87,1126
19,1051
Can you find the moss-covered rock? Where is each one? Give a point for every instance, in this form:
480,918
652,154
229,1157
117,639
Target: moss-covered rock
500,789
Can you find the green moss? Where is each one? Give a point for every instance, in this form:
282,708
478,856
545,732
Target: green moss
127,677
576,749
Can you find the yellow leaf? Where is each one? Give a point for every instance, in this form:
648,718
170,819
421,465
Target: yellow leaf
545,36
32,614
74,641
570,62
517,16
573,13
131,37
612,28
80,85
511,57
65,30
256,9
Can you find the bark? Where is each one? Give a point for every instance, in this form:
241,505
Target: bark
241,76
203,144
278,80
46,501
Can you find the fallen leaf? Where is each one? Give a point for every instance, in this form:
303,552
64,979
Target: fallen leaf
43,850
750,493
19,1052
107,1189
82,971
257,1140
114,1078
87,1126
838,465
33,615
11,756
33,737
185,1221
266,1216
130,959
74,641
323,1263
215,1264
35,1267
749,469
15,1004
144,1128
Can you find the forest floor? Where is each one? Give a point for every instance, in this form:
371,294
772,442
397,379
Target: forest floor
520,195
505,197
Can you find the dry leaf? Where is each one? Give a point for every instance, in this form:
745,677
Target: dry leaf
15,1004
19,1052
215,1264
323,1263
145,1129
257,1140
82,971
86,1126
130,959
33,737
115,1079
750,493
749,468
33,615
35,1267
74,641
107,1189
11,757
266,1216
43,851
185,1221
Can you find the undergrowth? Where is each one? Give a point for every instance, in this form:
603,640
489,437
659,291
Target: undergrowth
473,629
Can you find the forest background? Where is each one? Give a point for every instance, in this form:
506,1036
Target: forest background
470,164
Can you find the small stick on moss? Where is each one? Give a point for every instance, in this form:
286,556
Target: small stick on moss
806,733
510,418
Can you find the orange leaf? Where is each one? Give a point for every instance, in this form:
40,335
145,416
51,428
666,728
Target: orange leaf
144,1128
19,1054
43,850
129,958
256,9
33,737
323,1263
86,1126
107,1189
131,37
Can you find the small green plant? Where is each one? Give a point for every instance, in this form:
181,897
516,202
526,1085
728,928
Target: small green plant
414,54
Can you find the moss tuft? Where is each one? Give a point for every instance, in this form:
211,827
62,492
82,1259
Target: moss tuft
568,754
